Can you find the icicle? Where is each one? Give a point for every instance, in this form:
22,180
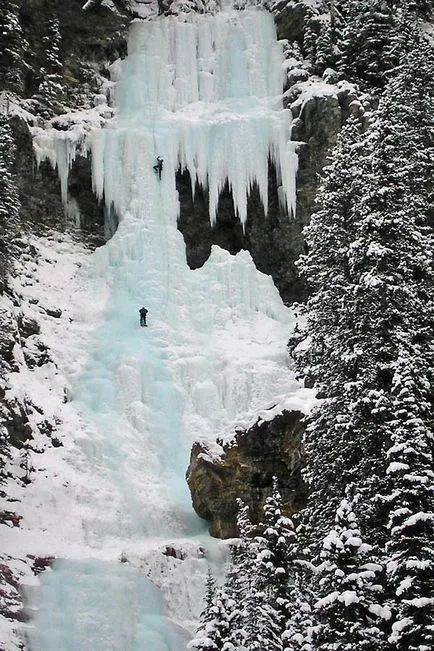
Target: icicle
218,120
60,149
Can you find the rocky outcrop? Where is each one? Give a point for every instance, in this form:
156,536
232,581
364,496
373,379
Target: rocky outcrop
317,123
290,19
318,118
42,209
245,470
88,42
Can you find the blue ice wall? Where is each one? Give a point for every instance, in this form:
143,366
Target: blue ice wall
99,606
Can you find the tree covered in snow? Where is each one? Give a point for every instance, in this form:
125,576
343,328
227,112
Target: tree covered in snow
262,620
276,546
328,360
9,197
299,618
272,552
50,93
214,624
299,622
223,617
410,499
391,257
349,615
12,47
251,609
365,39
362,39
370,325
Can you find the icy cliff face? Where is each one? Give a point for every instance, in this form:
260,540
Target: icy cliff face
205,94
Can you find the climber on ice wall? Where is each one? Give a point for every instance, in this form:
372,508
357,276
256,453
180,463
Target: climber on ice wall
143,312
159,166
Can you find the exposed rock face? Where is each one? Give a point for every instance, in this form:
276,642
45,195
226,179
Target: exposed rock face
245,470
273,239
317,128
290,19
89,40
39,190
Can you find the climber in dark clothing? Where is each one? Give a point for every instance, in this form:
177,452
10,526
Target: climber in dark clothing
143,312
159,166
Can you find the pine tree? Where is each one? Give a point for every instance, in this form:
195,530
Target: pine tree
267,600
9,197
299,619
51,94
329,360
222,621
310,35
12,47
369,28
277,544
210,592
391,257
213,626
262,625
236,583
260,620
370,321
348,613
410,498
300,623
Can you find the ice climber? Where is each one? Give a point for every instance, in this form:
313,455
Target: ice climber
159,166
143,312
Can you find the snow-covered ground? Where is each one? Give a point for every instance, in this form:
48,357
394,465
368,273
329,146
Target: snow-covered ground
213,356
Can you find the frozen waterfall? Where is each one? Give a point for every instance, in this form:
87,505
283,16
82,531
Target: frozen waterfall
203,92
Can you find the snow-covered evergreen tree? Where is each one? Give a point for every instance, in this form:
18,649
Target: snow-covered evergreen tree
50,94
370,325
12,47
299,619
410,498
266,604
363,39
300,623
348,612
369,28
236,585
214,624
9,197
391,256
329,358
260,619
277,544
